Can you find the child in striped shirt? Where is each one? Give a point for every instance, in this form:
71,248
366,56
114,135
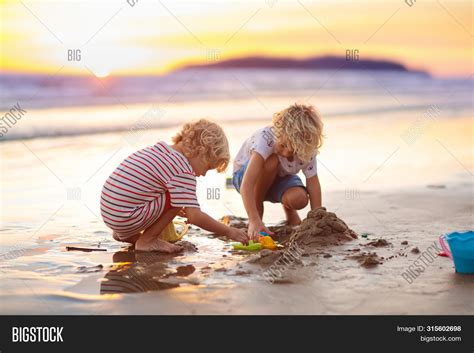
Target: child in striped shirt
151,186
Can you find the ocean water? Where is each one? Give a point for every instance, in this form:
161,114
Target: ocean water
70,105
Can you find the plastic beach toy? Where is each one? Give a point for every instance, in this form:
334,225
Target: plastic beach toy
459,246
264,242
170,234
267,242
250,247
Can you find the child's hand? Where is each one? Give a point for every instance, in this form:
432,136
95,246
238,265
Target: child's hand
255,228
238,235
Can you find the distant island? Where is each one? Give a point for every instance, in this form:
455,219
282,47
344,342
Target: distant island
314,63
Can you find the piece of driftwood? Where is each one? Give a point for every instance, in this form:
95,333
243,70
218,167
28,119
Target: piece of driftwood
75,248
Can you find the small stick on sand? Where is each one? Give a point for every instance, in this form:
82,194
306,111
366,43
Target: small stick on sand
72,248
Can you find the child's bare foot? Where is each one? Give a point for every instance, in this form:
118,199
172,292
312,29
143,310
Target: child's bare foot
292,217
157,244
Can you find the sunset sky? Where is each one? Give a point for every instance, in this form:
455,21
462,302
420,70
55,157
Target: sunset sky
157,36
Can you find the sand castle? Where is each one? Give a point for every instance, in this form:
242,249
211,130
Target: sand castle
321,227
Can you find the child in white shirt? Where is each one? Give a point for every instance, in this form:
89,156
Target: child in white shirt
266,167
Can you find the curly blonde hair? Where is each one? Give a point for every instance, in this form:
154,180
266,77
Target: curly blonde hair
207,139
302,127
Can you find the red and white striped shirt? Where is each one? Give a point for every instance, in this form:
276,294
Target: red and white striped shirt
134,195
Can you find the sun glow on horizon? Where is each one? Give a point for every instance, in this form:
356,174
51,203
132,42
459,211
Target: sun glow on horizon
101,73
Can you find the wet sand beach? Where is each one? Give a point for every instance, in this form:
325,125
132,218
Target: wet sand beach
398,198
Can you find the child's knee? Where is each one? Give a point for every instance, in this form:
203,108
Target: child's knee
295,198
301,201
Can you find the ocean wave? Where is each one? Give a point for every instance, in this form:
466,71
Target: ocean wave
132,133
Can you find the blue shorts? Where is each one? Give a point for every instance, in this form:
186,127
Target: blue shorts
278,187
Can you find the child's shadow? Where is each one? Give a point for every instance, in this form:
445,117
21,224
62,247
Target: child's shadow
134,272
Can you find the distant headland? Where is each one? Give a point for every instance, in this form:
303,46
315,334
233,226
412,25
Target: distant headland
313,63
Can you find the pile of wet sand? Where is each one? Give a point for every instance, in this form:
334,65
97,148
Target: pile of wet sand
367,259
321,228
318,230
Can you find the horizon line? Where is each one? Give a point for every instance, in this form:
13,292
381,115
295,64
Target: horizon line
182,65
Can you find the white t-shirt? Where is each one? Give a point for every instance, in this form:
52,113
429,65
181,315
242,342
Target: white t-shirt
263,142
